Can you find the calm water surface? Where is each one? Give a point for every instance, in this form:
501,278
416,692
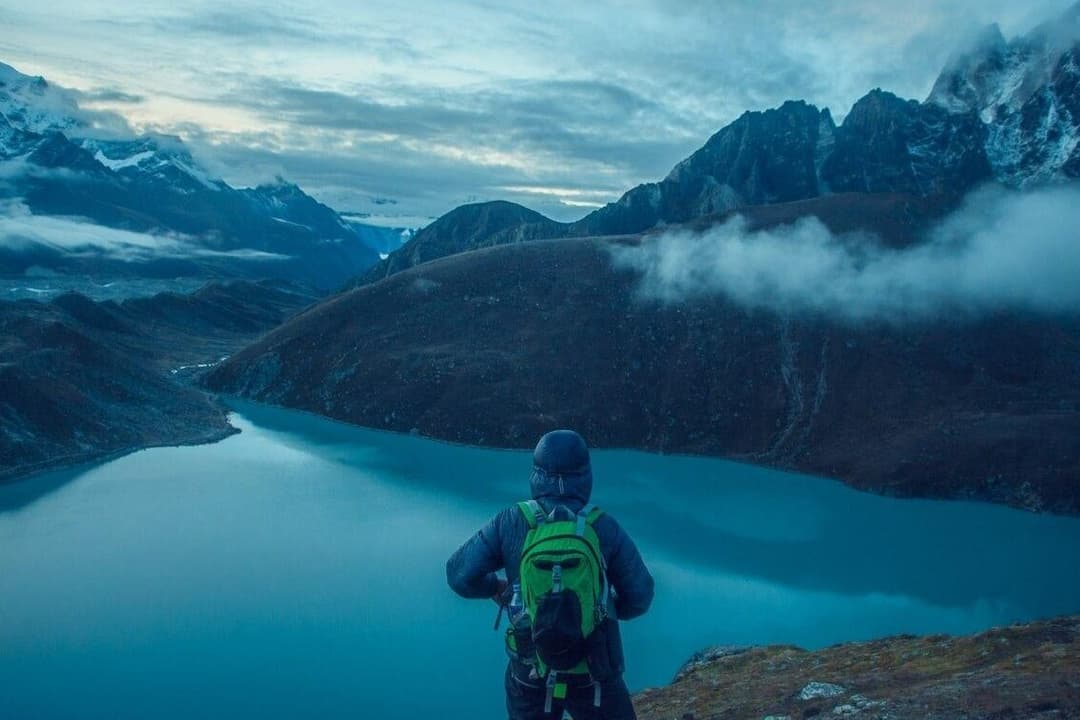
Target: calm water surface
297,570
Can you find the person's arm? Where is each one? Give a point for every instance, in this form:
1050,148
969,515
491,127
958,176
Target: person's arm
471,570
631,580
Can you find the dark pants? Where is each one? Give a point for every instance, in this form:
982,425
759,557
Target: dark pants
525,699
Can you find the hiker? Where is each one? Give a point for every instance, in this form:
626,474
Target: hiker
563,640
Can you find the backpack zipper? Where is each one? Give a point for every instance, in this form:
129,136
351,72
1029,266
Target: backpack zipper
586,543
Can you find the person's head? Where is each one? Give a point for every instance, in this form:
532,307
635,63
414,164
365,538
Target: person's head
561,468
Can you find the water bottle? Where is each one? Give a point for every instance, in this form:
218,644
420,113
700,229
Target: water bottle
517,606
521,627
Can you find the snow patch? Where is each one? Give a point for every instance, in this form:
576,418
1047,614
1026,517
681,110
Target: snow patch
283,221
121,163
197,173
199,366
815,689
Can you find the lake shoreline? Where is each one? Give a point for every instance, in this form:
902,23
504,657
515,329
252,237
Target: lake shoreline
85,381
229,402
21,474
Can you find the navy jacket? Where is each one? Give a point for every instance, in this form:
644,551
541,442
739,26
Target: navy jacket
471,570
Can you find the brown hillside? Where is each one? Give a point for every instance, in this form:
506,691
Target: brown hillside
496,346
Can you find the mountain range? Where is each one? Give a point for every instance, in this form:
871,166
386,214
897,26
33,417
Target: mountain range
494,324
1000,112
177,219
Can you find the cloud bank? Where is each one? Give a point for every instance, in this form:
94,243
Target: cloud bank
1000,251
22,231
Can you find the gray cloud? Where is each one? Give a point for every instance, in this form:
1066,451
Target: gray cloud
574,121
1001,250
108,95
16,169
362,179
591,96
261,26
472,144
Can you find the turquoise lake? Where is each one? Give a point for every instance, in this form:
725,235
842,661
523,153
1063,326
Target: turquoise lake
297,570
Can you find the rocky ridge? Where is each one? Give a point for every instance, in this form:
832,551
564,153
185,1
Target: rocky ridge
1021,671
465,228
81,379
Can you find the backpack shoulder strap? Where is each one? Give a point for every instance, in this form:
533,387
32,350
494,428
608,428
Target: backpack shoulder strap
534,514
587,516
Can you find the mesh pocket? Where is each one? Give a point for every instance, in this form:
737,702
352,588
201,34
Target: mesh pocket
557,630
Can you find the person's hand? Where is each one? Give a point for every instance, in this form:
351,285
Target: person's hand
498,596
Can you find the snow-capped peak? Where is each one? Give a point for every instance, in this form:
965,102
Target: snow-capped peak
991,76
161,157
31,104
1024,93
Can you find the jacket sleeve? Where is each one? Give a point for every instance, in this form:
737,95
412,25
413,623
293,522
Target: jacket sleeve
470,571
631,580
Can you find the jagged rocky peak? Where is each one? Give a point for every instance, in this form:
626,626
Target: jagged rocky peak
878,105
762,157
769,156
888,144
994,77
972,74
1025,92
796,124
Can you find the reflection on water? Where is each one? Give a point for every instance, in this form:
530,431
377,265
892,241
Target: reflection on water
296,569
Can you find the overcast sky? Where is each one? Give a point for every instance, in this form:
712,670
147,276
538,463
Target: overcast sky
432,104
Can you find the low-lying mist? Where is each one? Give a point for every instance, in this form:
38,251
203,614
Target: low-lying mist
22,231
1000,251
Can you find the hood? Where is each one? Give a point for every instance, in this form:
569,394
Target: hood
561,468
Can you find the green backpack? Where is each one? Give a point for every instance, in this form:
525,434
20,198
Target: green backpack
564,586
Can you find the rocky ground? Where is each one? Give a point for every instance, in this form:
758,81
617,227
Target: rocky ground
1022,671
81,380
